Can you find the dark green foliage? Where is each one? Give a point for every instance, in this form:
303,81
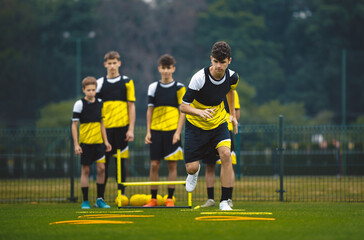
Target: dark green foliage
289,51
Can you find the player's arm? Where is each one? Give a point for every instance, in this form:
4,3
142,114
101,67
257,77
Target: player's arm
104,137
78,149
231,101
130,96
205,114
177,134
237,105
131,112
237,113
148,136
181,119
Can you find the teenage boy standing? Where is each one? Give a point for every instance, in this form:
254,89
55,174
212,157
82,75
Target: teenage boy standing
164,126
118,94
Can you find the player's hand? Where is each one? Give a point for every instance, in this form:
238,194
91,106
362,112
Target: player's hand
108,147
176,138
207,113
147,138
78,150
129,136
235,124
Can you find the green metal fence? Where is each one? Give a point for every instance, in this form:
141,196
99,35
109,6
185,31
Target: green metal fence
319,163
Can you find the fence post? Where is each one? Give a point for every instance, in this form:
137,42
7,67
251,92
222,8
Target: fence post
281,160
343,107
238,152
72,170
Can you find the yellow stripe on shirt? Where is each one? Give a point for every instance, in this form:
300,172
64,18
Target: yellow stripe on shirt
115,114
218,118
90,133
165,118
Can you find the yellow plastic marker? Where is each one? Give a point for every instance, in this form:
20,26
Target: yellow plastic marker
118,157
104,212
231,218
154,183
90,222
115,216
190,199
237,213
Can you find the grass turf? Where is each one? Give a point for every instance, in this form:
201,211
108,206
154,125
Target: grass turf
293,221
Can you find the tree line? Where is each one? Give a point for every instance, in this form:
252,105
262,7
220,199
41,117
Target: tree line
289,54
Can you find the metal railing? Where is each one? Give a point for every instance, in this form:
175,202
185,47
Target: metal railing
320,163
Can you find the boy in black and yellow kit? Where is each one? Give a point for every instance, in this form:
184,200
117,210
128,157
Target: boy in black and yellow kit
206,125
92,140
118,94
164,126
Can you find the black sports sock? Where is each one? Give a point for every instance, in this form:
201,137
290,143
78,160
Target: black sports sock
85,193
154,193
226,193
100,190
170,192
210,192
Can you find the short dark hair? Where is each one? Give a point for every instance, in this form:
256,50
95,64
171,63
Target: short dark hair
89,81
112,55
221,50
166,60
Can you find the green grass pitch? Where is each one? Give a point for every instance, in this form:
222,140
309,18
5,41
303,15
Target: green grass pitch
292,221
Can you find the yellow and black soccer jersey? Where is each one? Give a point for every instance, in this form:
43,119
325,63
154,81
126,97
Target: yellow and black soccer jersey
205,92
116,93
165,98
89,115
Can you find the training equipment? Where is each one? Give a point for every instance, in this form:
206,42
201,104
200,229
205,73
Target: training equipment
146,198
191,180
166,196
209,203
224,206
85,205
118,154
124,201
160,200
137,200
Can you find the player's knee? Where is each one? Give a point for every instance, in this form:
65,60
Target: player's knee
191,168
100,167
225,154
86,171
210,169
154,165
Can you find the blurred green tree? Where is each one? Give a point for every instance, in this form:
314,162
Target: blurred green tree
56,115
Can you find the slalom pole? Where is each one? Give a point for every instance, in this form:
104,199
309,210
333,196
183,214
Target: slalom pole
118,159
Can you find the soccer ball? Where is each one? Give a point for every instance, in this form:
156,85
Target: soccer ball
124,200
144,199
160,200
166,196
138,200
